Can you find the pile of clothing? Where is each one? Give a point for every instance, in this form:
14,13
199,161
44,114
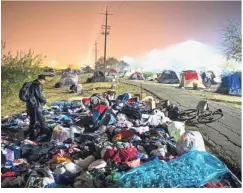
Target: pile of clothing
106,141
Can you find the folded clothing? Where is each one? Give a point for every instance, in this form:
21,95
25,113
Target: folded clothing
84,163
73,168
98,164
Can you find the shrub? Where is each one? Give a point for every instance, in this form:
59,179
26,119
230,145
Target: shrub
16,70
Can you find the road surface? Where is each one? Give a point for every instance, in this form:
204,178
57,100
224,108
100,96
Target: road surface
223,137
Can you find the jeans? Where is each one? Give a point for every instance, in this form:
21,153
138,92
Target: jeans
36,115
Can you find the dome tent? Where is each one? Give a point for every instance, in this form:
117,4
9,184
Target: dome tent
112,72
168,77
98,76
188,78
137,76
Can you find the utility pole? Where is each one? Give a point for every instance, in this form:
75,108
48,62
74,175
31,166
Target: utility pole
95,53
105,27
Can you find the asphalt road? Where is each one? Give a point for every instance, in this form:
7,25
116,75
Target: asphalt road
223,137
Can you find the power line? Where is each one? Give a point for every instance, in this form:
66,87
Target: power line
106,28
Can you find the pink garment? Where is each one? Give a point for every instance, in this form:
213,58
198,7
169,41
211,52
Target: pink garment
133,163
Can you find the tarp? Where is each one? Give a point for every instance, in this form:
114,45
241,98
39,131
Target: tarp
69,78
193,169
231,84
168,77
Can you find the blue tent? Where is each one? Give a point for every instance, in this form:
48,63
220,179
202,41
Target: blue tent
231,84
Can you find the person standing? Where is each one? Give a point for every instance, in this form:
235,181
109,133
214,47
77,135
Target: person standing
35,107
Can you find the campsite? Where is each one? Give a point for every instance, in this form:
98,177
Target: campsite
63,99
95,95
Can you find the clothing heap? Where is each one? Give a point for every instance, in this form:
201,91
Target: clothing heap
103,141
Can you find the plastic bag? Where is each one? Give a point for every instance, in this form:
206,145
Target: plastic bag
61,134
193,169
190,141
176,129
157,118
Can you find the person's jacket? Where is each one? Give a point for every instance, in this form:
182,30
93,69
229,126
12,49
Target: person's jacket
36,96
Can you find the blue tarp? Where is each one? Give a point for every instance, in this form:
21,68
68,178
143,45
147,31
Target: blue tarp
231,84
193,169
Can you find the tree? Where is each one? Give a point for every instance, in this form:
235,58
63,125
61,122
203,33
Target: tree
111,62
231,40
18,69
99,65
227,66
120,67
88,69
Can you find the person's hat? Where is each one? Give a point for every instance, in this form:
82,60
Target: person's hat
42,77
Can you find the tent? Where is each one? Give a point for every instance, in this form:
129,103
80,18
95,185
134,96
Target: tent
137,76
168,77
112,72
68,79
98,76
49,72
190,77
231,84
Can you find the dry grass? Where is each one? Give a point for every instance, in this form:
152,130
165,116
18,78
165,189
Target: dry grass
57,94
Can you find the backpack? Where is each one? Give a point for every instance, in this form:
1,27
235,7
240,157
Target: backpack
96,99
173,112
24,94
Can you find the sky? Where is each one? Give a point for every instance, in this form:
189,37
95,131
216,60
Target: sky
66,31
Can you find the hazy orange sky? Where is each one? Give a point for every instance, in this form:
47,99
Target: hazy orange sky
66,31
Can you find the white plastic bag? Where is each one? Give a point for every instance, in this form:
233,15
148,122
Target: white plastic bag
190,141
157,118
176,129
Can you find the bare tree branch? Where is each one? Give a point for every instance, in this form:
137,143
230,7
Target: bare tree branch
231,40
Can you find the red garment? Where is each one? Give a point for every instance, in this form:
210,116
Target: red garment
85,100
128,154
122,155
127,134
109,153
8,174
101,108
132,100
190,75
213,185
